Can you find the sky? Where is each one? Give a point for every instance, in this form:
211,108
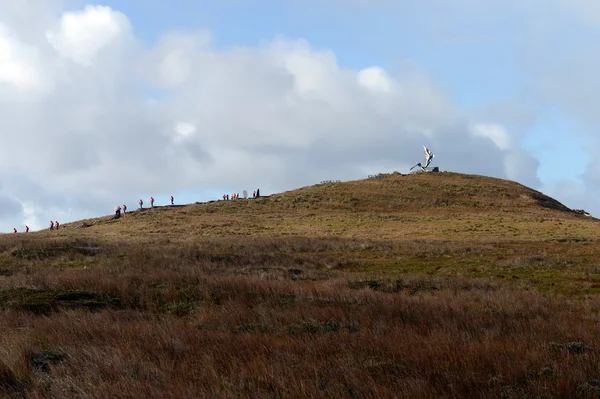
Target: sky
106,102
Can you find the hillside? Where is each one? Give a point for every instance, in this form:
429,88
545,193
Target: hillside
433,206
426,285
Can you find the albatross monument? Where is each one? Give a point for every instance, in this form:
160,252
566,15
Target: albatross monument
428,157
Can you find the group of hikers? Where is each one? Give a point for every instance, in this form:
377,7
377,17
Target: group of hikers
123,208
27,228
235,196
53,225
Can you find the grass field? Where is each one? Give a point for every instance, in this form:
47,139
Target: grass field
426,285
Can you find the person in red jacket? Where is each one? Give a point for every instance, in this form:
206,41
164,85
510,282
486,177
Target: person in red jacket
151,202
56,223
14,230
26,229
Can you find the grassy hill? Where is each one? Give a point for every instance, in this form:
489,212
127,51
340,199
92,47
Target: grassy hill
425,285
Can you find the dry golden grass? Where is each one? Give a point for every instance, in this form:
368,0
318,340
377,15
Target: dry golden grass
436,285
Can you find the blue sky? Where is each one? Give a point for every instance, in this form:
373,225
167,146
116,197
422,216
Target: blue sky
477,55
497,87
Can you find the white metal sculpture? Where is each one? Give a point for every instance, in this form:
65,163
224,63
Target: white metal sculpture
428,157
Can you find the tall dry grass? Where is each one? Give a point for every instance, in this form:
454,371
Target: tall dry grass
275,318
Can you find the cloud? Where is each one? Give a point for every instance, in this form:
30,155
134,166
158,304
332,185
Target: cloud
375,78
81,35
20,67
118,119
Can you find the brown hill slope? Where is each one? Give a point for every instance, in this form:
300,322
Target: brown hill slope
433,205
428,285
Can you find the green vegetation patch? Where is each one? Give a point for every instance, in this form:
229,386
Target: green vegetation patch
46,301
42,360
394,286
52,252
313,327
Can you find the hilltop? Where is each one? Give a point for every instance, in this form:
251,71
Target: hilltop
421,285
424,205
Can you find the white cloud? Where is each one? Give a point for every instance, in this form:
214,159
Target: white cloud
496,133
170,64
81,35
19,63
278,115
184,129
375,78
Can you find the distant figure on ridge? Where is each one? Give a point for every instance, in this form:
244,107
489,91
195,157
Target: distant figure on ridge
124,209
51,225
14,229
117,212
254,194
258,193
151,202
26,229
141,204
172,200
56,224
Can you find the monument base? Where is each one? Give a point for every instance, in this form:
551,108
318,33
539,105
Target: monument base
432,170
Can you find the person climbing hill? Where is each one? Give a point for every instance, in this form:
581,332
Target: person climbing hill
117,212
14,230
56,224
141,204
151,202
124,209
172,200
26,229
51,225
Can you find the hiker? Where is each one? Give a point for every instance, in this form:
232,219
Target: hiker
224,195
14,230
254,194
141,204
258,193
26,229
124,209
56,224
51,225
172,199
227,197
117,212
151,202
